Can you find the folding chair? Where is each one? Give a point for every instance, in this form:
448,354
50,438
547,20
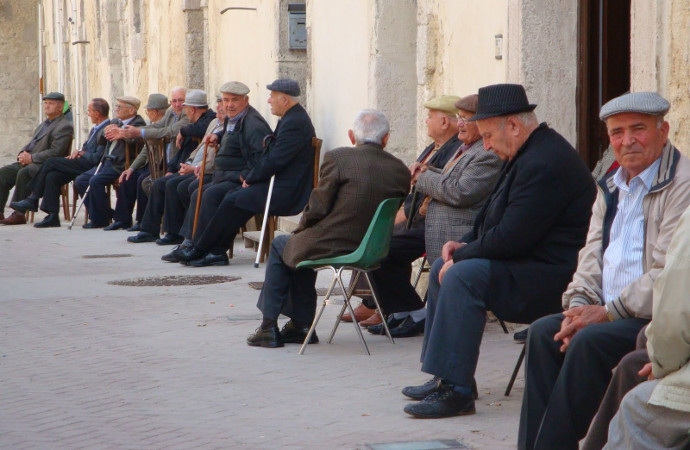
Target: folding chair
518,364
367,257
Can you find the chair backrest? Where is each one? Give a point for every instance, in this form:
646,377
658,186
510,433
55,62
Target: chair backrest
157,157
316,143
377,240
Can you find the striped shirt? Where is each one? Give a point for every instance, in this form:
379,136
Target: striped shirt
624,255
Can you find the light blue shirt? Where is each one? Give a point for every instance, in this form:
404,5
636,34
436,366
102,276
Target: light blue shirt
623,258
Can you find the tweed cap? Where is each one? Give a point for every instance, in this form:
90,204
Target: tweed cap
156,101
444,103
286,86
636,102
468,103
196,97
54,96
501,100
235,87
131,100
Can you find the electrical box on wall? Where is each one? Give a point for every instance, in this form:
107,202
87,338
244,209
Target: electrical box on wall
297,26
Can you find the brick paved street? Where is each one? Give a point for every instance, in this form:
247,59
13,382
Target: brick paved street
87,364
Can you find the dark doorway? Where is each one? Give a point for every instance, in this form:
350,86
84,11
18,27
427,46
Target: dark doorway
603,69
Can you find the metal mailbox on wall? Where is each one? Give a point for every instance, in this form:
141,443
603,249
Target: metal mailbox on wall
297,27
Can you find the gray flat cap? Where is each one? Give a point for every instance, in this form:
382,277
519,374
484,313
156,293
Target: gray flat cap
235,87
54,96
286,86
636,102
196,98
131,100
157,101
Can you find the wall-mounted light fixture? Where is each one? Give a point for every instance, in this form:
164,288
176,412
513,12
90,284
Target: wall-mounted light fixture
498,51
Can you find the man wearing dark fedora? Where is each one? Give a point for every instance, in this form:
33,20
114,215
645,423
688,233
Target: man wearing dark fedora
519,256
570,356
51,138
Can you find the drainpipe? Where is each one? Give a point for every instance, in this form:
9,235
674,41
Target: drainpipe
59,41
40,60
77,106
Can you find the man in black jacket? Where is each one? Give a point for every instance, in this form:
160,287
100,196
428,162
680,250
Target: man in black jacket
289,156
57,171
518,258
241,146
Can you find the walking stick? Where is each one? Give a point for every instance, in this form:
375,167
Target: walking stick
263,224
199,190
83,198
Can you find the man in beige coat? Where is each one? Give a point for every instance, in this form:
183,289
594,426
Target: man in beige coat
353,181
656,414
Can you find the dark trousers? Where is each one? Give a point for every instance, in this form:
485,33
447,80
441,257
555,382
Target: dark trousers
211,199
98,202
17,176
563,390
392,280
177,201
287,291
54,173
153,215
625,378
216,235
127,195
142,194
455,319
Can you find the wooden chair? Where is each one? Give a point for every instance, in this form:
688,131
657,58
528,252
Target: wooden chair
155,149
272,221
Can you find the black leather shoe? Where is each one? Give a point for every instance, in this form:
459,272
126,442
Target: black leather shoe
135,227
171,257
28,204
521,336
186,254
52,220
408,328
91,225
265,338
378,328
142,236
444,402
117,225
210,260
170,239
296,334
424,390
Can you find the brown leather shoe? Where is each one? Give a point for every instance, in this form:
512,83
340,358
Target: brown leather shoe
14,219
361,313
374,319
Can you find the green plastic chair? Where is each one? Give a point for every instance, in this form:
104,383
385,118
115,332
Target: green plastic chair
367,257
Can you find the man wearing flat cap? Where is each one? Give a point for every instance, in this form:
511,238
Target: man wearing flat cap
517,259
449,197
288,154
133,179
241,147
117,151
570,355
200,117
51,138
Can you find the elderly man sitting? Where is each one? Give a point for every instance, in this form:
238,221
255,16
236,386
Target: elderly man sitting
570,355
519,256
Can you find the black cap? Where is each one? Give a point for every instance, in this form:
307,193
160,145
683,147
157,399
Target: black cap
286,86
54,96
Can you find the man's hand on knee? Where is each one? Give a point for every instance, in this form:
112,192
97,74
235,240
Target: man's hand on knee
448,264
448,249
576,319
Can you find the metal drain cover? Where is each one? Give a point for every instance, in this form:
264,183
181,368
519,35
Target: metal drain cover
172,280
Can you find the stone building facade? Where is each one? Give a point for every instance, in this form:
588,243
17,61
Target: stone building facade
388,54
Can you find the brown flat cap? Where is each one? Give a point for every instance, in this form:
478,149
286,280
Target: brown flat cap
130,100
468,103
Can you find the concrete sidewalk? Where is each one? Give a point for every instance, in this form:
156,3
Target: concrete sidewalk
88,364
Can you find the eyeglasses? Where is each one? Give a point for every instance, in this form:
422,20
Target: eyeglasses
122,106
463,120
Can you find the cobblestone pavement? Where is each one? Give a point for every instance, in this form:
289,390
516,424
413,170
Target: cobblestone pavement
87,364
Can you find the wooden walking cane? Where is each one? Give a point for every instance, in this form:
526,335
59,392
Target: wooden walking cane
199,190
264,222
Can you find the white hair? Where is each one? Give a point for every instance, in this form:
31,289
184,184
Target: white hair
370,127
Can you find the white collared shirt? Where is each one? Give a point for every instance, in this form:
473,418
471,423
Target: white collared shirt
623,258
